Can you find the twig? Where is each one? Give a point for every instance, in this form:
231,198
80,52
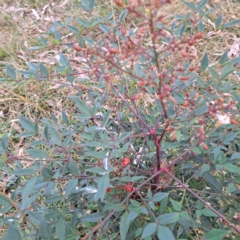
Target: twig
99,225
17,208
204,202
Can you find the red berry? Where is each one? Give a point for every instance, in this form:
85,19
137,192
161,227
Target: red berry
152,132
108,189
125,162
113,50
164,169
128,188
77,48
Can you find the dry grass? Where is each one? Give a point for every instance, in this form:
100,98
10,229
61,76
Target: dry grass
21,25
22,22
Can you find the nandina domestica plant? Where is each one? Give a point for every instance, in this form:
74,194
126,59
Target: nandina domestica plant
152,149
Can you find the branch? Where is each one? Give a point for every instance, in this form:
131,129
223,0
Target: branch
203,201
99,225
17,208
157,64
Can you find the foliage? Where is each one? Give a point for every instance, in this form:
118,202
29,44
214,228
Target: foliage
151,150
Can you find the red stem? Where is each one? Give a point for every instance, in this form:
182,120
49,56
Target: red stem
204,202
99,225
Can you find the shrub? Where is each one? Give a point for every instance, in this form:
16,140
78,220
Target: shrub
151,150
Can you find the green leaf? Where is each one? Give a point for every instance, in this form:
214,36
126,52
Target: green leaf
45,229
53,198
149,194
82,106
26,134
204,62
110,15
4,201
94,144
83,22
26,203
199,204
213,73
55,136
224,57
35,48
26,171
124,226
163,205
96,170
179,16
204,168
3,144
151,205
171,145
230,24
196,150
10,72
185,215
136,178
65,118
230,137
103,183
28,188
149,229
93,217
235,155
73,29
123,136
91,4
168,218
208,212
73,168
63,60
200,26
218,22
208,12
180,30
231,188
164,233
200,82
221,158
37,153
43,70
12,233
47,173
228,69
138,232
231,168
212,180
61,229
235,60
43,41
201,5
176,205
28,125
71,186
159,196
216,234
132,215
99,155
106,118
190,5
104,28
198,213
123,15
135,203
